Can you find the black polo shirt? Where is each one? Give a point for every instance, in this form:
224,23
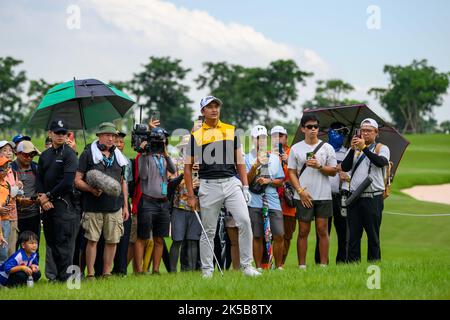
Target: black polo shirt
53,164
104,203
215,148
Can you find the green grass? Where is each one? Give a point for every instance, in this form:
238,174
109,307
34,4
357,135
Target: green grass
415,253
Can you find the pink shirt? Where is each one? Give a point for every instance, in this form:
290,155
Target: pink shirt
12,182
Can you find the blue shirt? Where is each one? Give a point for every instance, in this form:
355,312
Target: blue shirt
275,172
19,258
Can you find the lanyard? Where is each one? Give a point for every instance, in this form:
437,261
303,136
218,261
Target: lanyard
160,164
108,161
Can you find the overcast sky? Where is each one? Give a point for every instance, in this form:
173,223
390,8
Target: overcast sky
350,40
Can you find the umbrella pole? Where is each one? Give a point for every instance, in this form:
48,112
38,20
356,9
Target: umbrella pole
80,108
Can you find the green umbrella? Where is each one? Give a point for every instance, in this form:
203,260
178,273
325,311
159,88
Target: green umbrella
82,104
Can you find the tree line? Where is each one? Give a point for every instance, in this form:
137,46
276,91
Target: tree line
251,94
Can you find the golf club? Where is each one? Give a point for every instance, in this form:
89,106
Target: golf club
209,243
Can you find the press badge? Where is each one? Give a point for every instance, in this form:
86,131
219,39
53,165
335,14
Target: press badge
164,188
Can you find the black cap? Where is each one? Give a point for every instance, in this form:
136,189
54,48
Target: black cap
58,126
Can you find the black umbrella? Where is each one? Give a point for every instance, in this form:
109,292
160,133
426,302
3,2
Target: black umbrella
351,117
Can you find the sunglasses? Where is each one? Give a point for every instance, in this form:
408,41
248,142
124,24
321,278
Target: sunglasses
29,155
311,126
5,168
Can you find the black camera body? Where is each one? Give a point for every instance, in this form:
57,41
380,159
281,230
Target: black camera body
138,135
156,139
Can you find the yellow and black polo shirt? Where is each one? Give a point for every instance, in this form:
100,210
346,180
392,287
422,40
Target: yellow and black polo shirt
214,148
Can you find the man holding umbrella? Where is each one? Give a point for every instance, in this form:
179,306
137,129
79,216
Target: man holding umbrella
54,184
366,159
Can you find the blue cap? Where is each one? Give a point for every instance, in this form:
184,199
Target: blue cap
20,137
207,100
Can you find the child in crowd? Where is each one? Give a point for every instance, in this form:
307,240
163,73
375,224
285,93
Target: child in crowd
23,264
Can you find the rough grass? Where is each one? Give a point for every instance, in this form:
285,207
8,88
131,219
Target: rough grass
415,253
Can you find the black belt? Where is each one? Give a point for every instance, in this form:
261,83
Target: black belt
146,197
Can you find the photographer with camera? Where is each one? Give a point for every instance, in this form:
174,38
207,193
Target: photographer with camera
265,174
366,160
154,206
100,177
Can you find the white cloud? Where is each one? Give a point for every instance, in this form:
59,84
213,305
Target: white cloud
196,36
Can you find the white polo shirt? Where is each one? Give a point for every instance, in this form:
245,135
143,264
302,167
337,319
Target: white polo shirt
316,183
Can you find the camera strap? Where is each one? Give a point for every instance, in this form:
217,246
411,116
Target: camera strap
360,159
315,151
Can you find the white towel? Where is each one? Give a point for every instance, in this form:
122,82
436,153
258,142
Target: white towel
97,155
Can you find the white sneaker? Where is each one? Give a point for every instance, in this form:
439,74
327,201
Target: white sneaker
207,275
251,272
280,268
302,266
260,270
324,265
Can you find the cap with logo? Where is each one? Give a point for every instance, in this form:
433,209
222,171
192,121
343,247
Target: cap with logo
27,147
258,130
58,126
207,100
278,129
106,127
370,122
20,137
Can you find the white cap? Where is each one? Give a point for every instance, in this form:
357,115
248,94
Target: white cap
4,143
278,129
258,131
207,100
370,122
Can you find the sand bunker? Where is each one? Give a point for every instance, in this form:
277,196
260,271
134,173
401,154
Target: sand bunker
439,193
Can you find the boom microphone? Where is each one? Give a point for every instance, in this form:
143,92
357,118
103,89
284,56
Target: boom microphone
98,180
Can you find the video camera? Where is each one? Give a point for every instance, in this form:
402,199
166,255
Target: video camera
156,139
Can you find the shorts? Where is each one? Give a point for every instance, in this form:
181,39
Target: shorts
185,225
133,232
153,216
257,220
320,209
110,224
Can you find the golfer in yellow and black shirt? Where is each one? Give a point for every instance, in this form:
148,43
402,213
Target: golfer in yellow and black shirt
216,147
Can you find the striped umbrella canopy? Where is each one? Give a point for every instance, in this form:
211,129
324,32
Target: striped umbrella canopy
82,104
